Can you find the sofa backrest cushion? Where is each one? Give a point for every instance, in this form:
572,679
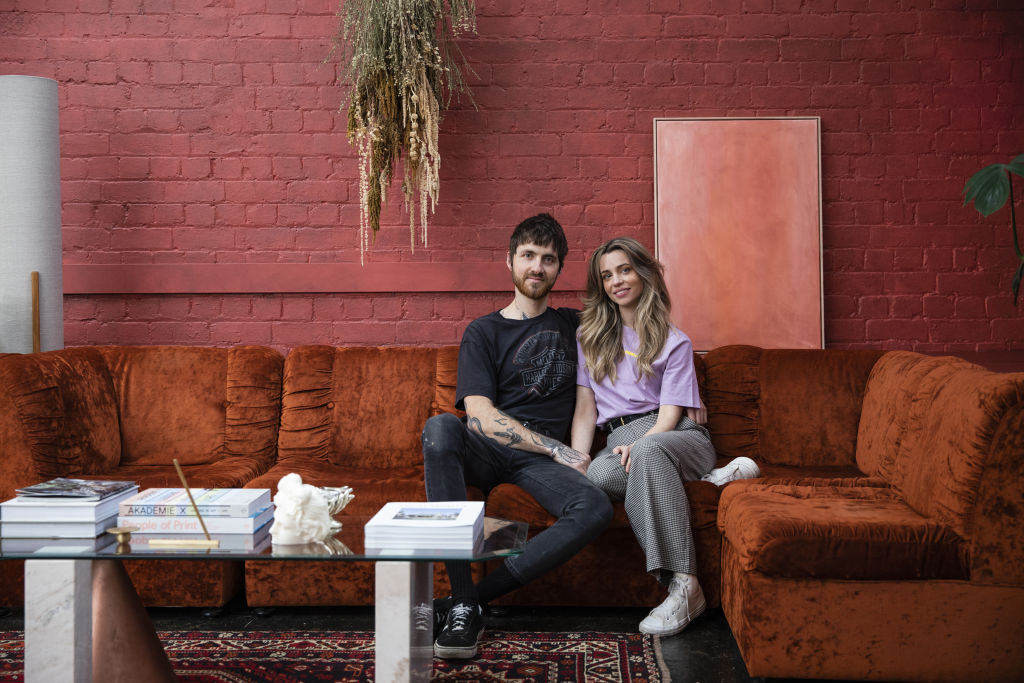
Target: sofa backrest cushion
60,416
786,406
357,406
447,373
928,427
196,404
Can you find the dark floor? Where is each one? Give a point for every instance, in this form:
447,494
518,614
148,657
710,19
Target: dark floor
704,653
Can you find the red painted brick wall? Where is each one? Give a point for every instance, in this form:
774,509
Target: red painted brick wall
199,132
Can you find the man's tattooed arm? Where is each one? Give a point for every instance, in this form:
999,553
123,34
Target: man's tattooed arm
563,454
488,421
507,433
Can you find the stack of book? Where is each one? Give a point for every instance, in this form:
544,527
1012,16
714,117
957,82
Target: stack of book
62,512
239,519
457,525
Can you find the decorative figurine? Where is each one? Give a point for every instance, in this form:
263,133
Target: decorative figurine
303,512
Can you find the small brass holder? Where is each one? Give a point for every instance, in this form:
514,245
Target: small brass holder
123,534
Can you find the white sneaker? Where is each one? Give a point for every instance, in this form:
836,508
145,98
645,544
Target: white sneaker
683,604
739,468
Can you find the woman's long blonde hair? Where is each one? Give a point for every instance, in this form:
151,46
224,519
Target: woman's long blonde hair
600,330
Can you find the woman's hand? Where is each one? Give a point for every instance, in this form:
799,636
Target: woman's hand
698,415
623,452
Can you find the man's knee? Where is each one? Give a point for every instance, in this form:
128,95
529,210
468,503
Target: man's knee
595,507
440,432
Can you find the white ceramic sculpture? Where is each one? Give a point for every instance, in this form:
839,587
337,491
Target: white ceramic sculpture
302,514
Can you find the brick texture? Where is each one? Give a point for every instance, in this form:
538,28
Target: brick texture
202,132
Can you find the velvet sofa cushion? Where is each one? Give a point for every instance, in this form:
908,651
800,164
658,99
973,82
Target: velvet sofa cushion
836,532
785,406
59,416
356,406
199,405
930,426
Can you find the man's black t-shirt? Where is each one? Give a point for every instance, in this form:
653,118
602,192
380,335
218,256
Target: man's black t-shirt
526,367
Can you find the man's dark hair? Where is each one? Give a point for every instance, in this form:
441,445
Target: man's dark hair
542,230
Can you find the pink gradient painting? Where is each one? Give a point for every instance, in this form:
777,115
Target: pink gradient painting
738,228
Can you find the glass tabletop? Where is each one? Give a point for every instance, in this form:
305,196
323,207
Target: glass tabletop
501,538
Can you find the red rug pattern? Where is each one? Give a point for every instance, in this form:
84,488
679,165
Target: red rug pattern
293,656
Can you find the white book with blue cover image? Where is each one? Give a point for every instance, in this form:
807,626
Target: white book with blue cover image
439,524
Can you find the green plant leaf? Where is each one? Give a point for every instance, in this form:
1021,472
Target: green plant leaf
989,188
1017,166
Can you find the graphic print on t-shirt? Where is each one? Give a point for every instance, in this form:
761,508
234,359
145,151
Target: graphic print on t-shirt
547,368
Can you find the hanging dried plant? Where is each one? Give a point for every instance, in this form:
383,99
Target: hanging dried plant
402,63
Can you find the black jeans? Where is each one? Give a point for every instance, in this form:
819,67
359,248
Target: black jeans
454,457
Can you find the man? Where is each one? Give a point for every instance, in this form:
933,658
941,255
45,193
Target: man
517,383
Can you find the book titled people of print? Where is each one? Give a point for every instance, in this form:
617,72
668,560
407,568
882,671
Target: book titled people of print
78,489
211,503
179,524
455,525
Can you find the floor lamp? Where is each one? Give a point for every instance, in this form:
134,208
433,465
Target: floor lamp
31,289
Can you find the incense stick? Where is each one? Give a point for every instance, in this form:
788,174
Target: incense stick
195,507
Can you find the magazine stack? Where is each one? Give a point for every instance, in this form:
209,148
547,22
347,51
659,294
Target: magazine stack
239,519
442,526
62,513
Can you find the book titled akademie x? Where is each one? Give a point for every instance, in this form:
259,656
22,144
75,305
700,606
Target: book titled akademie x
211,503
456,525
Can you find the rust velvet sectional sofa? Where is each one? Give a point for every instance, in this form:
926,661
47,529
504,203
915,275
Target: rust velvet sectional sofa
882,541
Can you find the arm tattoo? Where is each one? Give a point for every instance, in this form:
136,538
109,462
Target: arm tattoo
559,451
567,455
474,425
509,434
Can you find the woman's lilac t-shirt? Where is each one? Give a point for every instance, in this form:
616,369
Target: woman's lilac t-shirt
673,383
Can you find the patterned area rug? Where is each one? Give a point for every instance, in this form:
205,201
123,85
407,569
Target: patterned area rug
287,657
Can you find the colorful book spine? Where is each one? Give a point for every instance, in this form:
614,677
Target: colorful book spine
191,525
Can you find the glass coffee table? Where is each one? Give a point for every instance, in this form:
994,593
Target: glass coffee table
84,621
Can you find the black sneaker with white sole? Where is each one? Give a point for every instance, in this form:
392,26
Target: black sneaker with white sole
461,633
442,606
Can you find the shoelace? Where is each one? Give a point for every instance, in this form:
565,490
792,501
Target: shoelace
459,616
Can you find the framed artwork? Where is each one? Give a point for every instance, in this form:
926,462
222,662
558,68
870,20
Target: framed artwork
738,228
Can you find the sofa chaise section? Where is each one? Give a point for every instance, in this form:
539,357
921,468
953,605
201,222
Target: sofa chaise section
121,412
913,573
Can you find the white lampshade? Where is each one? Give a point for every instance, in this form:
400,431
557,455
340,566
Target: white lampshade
29,213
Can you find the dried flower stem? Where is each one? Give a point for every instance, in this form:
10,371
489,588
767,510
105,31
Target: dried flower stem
402,63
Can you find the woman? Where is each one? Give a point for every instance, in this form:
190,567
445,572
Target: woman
636,380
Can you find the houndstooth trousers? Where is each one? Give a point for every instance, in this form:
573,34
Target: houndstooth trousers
655,500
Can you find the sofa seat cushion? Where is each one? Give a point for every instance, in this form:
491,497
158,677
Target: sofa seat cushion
834,532
228,473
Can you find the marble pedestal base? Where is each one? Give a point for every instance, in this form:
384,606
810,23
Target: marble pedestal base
85,622
404,621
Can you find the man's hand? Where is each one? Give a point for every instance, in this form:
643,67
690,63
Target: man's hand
571,457
488,421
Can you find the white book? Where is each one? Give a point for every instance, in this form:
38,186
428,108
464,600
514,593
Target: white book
87,529
211,502
454,525
45,509
183,525
55,545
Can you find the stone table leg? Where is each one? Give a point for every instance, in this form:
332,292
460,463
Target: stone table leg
58,621
404,624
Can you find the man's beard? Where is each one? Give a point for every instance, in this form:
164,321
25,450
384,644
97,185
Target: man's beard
536,294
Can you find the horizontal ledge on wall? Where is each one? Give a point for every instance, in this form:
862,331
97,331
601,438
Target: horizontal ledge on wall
280,278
